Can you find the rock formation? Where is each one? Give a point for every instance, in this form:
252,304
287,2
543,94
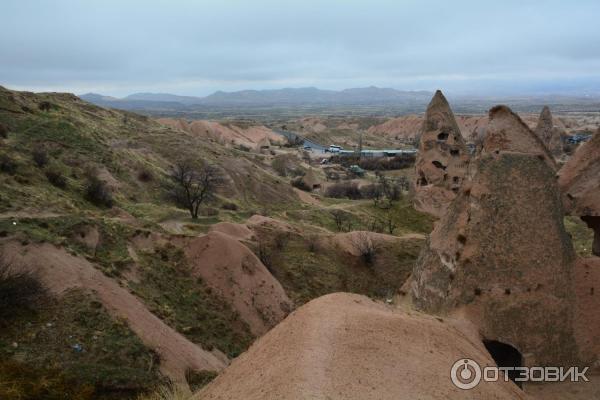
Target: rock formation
345,346
501,256
442,160
579,181
506,132
549,134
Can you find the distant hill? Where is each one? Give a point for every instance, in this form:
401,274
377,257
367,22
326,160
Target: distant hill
163,97
295,102
309,96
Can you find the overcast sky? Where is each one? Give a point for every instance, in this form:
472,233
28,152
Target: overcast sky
118,47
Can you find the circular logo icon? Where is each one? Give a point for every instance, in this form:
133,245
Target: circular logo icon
465,374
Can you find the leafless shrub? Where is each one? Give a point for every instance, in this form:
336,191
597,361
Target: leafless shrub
40,157
313,243
344,190
365,247
281,240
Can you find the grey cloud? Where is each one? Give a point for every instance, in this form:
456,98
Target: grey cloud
194,47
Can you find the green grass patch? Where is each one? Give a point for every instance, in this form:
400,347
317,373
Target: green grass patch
188,305
72,348
581,236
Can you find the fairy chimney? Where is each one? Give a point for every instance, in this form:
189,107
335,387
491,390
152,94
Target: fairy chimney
442,160
550,135
501,256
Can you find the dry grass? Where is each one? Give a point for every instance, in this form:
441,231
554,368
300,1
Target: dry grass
168,392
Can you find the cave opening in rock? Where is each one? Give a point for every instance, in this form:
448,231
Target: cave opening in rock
505,355
438,164
443,135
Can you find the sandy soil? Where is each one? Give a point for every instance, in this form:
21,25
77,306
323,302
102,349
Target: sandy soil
345,346
260,221
307,197
238,231
224,134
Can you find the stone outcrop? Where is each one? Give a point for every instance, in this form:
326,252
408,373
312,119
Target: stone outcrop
550,135
579,181
501,256
442,161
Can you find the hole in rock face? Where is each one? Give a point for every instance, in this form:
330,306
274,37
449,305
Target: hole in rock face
454,152
505,355
593,222
438,164
442,136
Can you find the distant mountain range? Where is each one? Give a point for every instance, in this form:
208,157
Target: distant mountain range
277,103
264,98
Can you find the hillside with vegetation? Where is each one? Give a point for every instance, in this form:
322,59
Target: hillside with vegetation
114,227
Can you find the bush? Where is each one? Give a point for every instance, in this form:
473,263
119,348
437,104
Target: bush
279,164
344,189
56,178
230,206
98,193
46,106
265,254
8,165
40,157
18,290
145,175
299,183
198,379
372,191
312,243
377,164
3,131
209,212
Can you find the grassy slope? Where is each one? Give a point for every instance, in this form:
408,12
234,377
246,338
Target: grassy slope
79,137
72,344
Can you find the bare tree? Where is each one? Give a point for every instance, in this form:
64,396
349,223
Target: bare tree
195,183
340,218
390,221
